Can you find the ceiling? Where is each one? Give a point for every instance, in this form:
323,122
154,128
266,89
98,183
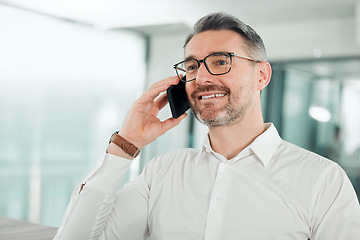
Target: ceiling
118,13
147,15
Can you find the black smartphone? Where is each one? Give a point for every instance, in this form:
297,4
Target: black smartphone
178,100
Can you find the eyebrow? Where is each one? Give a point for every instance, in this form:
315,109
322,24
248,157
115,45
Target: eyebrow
189,57
212,52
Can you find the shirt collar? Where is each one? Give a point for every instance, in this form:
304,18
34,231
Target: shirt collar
206,148
264,146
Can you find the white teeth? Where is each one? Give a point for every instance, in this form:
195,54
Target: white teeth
213,96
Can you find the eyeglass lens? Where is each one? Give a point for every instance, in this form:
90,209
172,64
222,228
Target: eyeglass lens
216,64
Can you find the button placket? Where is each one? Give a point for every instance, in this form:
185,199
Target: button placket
218,202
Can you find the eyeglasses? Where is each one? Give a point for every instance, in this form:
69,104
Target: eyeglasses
216,64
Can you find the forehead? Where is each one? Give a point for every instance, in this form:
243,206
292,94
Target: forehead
207,42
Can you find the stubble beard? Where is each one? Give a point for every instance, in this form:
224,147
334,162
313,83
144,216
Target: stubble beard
233,112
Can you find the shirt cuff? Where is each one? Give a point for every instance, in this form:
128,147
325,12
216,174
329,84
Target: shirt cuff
109,173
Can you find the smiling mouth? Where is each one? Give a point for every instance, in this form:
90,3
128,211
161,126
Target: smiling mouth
212,96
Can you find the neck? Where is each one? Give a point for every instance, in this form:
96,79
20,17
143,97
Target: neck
229,141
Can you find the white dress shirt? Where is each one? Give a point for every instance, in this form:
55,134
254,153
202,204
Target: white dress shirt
272,190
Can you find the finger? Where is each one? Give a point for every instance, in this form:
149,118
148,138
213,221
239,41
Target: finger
172,122
158,88
161,101
161,86
159,104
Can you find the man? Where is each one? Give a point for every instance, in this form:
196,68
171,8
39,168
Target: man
245,183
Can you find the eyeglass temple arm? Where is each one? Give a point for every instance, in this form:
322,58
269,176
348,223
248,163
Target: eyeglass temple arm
247,58
176,67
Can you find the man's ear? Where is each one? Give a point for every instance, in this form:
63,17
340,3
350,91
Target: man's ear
264,75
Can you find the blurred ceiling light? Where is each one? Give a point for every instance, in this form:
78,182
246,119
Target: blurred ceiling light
317,53
320,114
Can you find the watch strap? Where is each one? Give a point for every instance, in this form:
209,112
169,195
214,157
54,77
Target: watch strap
128,147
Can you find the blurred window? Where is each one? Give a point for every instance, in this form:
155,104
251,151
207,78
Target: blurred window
64,89
317,109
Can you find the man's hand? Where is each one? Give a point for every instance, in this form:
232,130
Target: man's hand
141,125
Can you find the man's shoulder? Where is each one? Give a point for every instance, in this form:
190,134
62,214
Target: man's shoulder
301,156
175,157
172,162
185,154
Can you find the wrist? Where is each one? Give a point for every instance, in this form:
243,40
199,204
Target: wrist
117,151
121,147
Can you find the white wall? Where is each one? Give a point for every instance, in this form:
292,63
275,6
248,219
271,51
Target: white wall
358,23
334,37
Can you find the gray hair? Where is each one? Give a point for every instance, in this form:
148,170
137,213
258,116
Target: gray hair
224,21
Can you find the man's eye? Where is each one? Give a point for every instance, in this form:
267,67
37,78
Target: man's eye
191,68
221,62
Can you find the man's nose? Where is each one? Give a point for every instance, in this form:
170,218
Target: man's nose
203,75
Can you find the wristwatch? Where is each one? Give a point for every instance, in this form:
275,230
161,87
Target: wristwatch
128,147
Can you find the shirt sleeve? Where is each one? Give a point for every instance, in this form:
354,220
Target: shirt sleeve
100,211
337,211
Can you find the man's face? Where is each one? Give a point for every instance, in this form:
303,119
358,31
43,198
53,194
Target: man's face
220,100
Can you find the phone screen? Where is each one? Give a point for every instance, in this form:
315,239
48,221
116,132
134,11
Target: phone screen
178,100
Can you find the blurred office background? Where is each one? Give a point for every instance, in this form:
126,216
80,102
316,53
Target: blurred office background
70,70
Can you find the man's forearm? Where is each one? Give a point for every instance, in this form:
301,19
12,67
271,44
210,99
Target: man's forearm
82,217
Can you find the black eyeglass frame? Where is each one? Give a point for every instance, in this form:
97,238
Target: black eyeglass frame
230,54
